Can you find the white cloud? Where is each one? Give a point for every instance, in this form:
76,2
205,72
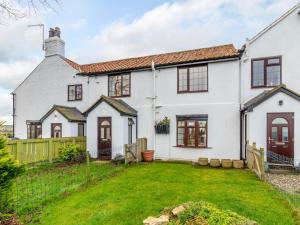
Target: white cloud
183,25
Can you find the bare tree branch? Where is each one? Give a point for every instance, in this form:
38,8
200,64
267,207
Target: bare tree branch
12,8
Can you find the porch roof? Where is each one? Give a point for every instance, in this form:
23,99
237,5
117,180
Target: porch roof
252,103
117,104
72,114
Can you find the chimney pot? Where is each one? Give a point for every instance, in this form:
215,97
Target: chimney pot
57,32
51,32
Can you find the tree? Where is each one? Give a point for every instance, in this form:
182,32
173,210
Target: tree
9,169
12,9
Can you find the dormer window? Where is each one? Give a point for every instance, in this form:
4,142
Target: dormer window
266,72
75,92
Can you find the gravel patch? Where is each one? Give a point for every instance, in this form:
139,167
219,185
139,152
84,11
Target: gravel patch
286,182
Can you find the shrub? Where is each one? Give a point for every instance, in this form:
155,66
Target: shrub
206,213
72,153
9,169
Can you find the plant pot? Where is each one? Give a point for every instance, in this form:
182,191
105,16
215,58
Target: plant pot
148,155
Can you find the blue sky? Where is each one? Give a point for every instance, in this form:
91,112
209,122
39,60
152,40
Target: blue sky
97,30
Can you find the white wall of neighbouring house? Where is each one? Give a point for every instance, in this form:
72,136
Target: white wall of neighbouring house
280,40
257,121
69,129
45,86
105,110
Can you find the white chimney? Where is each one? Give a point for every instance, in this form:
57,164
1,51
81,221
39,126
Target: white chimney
54,45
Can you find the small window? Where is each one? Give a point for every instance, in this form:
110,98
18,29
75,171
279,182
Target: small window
130,124
192,79
80,129
75,92
192,132
34,130
266,72
119,85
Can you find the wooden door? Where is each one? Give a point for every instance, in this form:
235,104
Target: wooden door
280,136
104,138
56,130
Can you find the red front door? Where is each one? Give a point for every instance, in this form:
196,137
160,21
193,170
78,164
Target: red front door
104,138
280,136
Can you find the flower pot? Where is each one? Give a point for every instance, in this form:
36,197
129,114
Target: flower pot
148,156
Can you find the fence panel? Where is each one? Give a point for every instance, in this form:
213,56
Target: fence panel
255,160
37,150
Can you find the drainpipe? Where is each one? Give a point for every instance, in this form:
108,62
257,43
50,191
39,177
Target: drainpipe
154,105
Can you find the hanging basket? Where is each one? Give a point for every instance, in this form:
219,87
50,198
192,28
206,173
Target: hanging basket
162,129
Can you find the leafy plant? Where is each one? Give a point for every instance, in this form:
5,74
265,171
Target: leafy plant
9,169
72,153
165,121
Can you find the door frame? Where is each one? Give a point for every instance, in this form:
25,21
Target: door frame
290,127
98,135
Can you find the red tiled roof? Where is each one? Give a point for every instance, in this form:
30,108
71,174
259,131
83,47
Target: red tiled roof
217,52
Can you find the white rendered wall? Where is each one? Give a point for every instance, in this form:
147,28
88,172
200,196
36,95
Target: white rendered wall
220,103
281,40
47,85
68,129
257,120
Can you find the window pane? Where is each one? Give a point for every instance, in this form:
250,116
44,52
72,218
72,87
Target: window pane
198,78
126,84
182,80
80,130
180,123
274,134
71,93
202,123
279,121
114,85
191,123
258,73
285,134
78,92
274,61
202,137
273,75
191,137
180,136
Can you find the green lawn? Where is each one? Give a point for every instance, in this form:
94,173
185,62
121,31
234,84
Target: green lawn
143,190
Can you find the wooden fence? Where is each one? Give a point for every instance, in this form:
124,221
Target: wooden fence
256,159
133,152
37,150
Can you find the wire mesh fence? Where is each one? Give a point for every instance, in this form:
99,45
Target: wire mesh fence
47,182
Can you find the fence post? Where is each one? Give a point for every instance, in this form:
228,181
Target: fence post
262,158
19,151
50,148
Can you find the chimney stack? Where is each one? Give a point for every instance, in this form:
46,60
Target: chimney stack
54,45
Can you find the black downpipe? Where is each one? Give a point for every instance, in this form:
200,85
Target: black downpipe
136,128
241,135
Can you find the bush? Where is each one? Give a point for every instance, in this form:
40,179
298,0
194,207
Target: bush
206,213
72,153
9,169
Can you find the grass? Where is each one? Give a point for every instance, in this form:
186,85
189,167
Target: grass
143,190
50,182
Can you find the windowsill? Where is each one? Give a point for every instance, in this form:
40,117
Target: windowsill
192,147
190,92
258,87
123,96
74,100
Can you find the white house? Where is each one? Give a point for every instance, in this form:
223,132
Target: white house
216,98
